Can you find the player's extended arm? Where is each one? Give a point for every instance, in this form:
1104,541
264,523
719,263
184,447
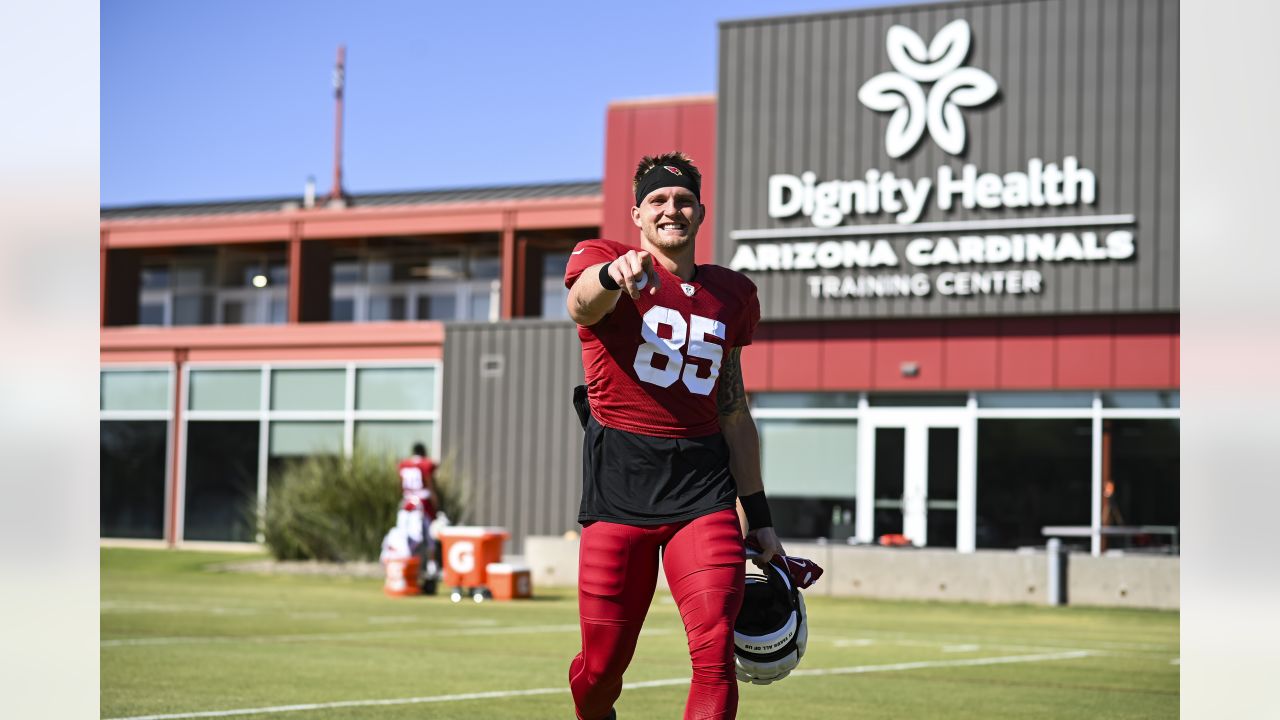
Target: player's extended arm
589,300
744,449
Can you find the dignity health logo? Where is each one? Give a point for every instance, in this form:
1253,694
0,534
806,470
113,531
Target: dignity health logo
938,110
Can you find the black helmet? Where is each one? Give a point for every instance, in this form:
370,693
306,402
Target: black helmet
772,628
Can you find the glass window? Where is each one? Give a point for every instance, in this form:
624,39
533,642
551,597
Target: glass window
294,441
1144,474
555,301
805,400
1146,399
135,390
554,294
132,465
278,273
240,270
813,517
236,312
917,400
1031,473
554,264
438,306
225,390
809,458
485,267
378,271
190,276
222,481
386,307
479,305
1035,400
151,314
396,389
343,309
392,438
890,480
154,278
193,309
943,494
346,271
290,438
279,310
309,389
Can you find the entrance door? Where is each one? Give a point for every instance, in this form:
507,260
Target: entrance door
917,465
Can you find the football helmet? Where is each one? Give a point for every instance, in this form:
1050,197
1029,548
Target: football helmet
772,629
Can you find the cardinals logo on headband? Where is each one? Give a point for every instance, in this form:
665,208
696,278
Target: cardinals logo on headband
673,170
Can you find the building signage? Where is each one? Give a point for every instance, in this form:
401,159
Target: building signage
987,216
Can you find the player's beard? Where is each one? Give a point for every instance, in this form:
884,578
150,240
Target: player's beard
670,244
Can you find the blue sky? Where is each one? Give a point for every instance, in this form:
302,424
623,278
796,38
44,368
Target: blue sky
233,99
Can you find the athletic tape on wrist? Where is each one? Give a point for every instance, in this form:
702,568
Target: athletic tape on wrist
606,280
756,508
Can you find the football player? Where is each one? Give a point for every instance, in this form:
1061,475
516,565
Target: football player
670,447
418,485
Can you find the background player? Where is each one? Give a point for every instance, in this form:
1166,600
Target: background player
670,443
418,484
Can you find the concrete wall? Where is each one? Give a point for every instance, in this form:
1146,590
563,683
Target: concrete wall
1128,581
988,576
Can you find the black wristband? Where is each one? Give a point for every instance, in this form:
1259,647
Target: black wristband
756,508
606,281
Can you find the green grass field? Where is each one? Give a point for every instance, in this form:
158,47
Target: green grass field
180,640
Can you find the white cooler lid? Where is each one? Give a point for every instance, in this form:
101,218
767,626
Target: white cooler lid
505,568
471,531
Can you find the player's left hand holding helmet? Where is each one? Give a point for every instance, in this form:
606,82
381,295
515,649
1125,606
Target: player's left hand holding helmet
772,629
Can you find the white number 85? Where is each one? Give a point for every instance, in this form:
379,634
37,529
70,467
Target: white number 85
675,367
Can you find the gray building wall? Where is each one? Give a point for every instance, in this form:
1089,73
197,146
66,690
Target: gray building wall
1094,79
509,429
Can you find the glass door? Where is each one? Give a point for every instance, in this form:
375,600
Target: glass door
917,468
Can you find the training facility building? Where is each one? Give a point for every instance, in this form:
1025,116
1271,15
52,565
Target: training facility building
962,219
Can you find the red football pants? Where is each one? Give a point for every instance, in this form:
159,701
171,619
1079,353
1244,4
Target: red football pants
617,573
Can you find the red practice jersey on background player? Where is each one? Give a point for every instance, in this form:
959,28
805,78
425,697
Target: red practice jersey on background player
652,365
414,473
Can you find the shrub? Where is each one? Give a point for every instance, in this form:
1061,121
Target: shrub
335,508
331,507
451,492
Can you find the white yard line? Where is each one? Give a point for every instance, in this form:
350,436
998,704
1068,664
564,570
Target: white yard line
502,694
995,641
369,634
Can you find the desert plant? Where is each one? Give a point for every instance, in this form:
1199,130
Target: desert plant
331,507
451,496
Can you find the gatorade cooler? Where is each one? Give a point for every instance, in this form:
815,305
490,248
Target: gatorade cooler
509,582
467,553
402,577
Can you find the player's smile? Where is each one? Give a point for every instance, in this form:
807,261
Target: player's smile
670,216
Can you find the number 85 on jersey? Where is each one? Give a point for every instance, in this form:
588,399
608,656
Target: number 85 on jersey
694,333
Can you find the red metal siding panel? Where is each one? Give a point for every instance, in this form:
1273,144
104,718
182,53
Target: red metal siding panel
648,128
916,342
1143,350
971,353
1026,354
619,164
1085,352
697,138
796,358
847,352
755,361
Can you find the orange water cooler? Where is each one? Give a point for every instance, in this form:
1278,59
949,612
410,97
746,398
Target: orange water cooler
402,577
509,582
467,552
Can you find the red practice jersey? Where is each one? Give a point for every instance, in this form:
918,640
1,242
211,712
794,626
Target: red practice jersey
414,472
652,365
